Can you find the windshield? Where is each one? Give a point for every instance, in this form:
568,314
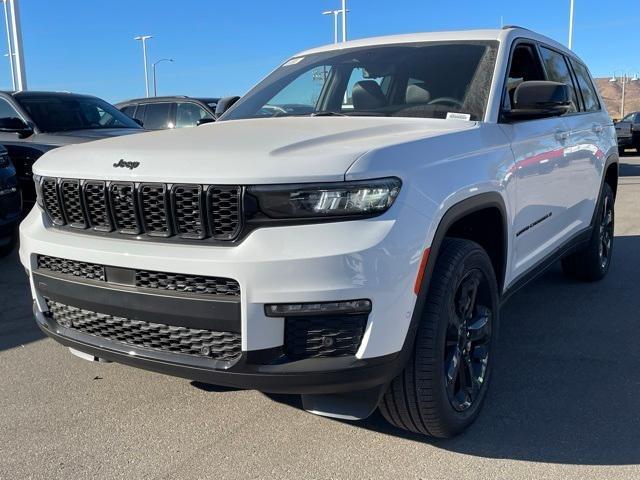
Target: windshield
428,80
62,113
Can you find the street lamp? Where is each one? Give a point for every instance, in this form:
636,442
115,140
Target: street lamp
335,14
625,78
9,47
571,25
344,11
155,82
144,39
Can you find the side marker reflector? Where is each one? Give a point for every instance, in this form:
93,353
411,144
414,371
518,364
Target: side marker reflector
423,266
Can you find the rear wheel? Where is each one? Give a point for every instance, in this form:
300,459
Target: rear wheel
592,263
442,388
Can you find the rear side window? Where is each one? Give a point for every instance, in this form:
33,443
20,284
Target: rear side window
129,110
189,114
589,95
558,71
157,116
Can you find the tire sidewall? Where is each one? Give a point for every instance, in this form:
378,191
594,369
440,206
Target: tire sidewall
476,258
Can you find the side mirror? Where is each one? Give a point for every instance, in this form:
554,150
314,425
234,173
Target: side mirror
225,104
15,125
202,121
539,99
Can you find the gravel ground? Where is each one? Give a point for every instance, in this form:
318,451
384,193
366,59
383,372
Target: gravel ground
564,402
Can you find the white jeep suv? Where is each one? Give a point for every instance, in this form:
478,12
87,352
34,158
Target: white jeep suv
347,231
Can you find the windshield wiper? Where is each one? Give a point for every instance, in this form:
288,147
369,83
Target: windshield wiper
327,114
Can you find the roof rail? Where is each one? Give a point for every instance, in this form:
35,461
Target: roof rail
508,27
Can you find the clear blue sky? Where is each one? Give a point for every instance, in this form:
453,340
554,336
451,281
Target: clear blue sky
224,47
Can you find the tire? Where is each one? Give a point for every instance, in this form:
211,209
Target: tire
592,263
421,399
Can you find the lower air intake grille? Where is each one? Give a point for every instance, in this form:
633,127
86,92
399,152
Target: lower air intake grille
323,336
89,271
164,281
224,346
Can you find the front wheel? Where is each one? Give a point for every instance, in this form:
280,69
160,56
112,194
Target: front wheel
592,263
442,388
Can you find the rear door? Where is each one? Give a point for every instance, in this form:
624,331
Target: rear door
575,172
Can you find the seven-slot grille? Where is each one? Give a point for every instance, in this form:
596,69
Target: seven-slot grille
151,209
224,346
164,281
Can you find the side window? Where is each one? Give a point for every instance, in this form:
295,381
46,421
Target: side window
6,110
558,71
525,67
129,110
589,96
157,116
189,114
139,114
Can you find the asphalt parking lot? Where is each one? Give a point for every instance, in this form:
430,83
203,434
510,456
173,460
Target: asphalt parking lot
564,403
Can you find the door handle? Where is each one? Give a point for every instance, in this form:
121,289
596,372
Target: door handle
561,136
597,128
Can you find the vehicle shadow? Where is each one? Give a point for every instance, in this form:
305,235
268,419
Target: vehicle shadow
17,326
566,379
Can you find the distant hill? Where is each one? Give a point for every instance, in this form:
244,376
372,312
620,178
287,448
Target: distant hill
612,94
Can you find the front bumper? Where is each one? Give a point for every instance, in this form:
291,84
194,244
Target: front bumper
375,259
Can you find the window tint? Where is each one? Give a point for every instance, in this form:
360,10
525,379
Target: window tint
188,114
525,67
129,110
558,71
6,110
157,116
58,113
589,96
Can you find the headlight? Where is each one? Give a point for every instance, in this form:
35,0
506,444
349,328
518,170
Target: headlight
368,197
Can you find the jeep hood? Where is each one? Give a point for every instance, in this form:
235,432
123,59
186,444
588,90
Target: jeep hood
275,150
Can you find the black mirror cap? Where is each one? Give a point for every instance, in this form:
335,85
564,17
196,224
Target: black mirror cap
225,104
14,124
539,99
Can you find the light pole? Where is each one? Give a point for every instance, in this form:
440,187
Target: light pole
335,14
344,11
155,82
624,79
17,47
9,47
571,25
144,39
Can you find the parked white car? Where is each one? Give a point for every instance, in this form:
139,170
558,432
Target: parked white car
347,231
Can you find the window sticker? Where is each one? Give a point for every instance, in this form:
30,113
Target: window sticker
458,116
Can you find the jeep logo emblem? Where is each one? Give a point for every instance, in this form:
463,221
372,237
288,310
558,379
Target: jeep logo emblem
123,164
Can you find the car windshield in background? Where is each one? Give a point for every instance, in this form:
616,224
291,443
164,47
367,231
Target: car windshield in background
428,80
64,113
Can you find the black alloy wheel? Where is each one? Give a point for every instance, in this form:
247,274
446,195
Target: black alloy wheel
468,341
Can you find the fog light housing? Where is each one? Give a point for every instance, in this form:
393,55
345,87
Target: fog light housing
346,307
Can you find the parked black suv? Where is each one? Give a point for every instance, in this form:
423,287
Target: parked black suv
10,203
157,113
32,123
628,132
